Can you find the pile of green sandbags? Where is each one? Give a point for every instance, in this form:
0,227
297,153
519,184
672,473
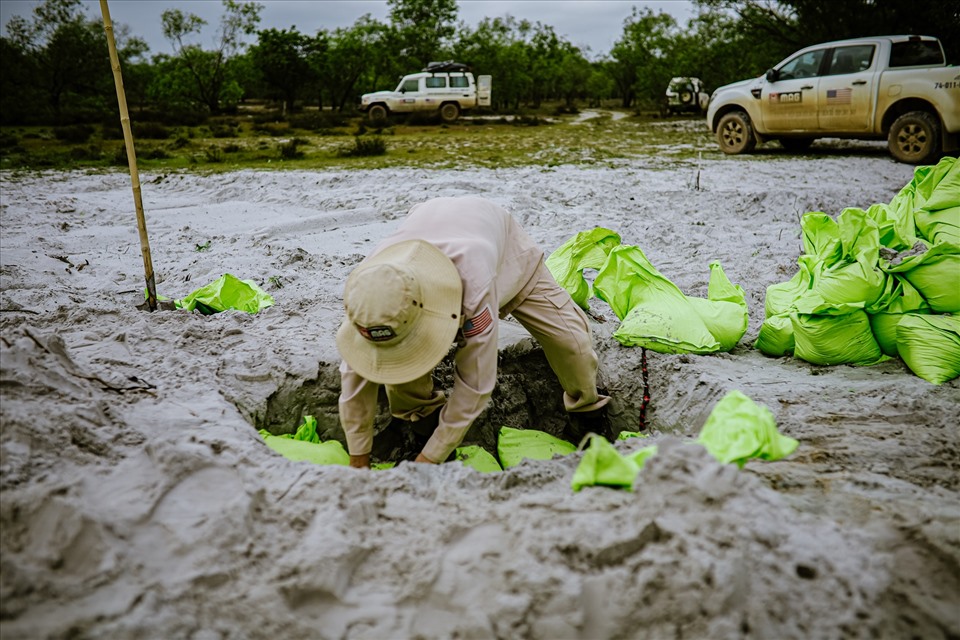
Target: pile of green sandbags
654,313
877,283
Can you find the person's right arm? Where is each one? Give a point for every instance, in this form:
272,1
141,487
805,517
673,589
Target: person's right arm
358,408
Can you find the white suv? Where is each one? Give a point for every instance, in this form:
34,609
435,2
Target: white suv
446,87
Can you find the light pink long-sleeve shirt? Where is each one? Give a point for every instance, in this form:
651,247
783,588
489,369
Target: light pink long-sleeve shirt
497,262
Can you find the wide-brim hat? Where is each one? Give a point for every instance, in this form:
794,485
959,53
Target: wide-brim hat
403,308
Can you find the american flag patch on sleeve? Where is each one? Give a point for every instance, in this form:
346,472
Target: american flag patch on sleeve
478,323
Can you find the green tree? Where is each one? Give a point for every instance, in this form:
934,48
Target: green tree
423,27
281,58
56,66
640,65
353,52
196,77
498,46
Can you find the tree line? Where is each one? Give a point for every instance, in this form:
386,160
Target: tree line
56,68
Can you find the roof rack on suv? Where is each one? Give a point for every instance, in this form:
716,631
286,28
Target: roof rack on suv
446,65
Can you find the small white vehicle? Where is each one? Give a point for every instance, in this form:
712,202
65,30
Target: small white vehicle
893,87
686,95
445,87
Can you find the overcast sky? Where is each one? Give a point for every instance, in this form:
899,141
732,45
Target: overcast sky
596,24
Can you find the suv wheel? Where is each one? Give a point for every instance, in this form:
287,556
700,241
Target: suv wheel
735,133
449,112
915,138
377,113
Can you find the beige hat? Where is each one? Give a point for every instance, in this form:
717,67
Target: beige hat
403,312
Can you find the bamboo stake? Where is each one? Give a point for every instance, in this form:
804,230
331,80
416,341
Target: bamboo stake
131,157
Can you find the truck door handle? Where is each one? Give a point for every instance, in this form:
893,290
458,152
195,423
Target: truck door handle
859,82
806,86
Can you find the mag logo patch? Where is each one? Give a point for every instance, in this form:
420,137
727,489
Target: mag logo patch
377,334
791,97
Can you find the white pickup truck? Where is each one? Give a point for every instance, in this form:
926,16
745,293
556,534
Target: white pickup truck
446,87
893,87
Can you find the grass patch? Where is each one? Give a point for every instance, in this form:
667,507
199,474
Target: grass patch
540,138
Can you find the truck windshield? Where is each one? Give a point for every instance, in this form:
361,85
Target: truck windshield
915,53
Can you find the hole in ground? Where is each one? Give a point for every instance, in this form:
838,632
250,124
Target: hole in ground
527,396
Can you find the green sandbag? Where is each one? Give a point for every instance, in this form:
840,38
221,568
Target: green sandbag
935,273
835,339
603,465
229,292
821,237
897,229
901,297
930,346
739,429
586,250
478,458
855,276
655,314
305,445
781,296
938,219
515,445
776,336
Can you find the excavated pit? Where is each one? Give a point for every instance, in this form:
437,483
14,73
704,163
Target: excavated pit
527,396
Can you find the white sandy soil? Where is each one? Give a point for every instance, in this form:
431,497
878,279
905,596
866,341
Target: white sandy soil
138,500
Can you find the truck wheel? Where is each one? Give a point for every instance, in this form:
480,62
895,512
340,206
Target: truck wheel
796,144
915,138
377,113
449,112
735,133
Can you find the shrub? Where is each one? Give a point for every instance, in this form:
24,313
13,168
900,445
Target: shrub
290,150
273,128
182,140
318,121
150,131
155,153
8,140
232,148
74,133
225,130
214,154
364,146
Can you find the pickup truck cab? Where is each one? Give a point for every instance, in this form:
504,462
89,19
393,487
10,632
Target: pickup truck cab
893,87
446,87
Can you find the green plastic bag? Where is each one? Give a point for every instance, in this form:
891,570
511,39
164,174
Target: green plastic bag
930,346
655,314
478,458
902,298
738,429
515,445
586,250
855,276
935,273
938,219
228,292
845,338
781,296
776,336
821,237
603,465
305,445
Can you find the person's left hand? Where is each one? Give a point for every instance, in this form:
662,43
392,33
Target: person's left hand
423,458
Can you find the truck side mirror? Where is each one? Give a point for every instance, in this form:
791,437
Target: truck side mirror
772,75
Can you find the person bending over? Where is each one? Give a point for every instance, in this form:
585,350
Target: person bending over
451,271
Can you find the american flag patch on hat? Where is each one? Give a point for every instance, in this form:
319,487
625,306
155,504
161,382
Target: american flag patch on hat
478,323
